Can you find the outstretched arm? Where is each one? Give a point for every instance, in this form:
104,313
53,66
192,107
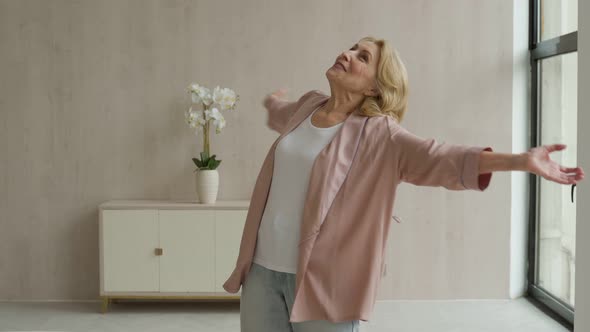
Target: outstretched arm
535,161
428,162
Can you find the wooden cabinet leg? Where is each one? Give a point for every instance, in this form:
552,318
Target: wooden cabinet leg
105,304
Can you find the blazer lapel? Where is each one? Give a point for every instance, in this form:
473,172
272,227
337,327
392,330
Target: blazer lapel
330,167
328,173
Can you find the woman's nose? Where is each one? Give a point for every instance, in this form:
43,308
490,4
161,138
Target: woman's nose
345,55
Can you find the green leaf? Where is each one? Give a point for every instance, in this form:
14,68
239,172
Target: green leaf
197,162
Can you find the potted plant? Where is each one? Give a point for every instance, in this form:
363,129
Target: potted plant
208,111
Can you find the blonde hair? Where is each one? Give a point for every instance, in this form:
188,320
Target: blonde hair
392,83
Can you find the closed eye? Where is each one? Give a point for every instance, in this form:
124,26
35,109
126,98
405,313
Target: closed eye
364,55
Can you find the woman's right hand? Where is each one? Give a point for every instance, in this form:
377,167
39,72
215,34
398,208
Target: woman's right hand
278,95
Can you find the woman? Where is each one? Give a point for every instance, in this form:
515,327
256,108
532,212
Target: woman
311,254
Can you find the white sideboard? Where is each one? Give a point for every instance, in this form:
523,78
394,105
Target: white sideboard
166,249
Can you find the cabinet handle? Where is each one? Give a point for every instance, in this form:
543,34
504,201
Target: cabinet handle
159,251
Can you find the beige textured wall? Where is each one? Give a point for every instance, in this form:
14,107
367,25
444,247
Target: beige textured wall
92,101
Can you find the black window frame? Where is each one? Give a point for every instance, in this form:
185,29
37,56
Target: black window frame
540,50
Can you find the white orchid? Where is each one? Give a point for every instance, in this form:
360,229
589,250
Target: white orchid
200,123
217,117
194,119
213,103
212,113
200,94
225,98
219,125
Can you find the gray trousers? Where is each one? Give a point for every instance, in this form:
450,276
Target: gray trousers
266,302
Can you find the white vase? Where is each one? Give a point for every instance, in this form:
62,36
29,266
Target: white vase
207,183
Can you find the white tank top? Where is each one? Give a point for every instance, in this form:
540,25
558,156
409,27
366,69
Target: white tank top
279,232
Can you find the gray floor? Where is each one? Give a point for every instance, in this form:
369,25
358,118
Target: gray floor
403,316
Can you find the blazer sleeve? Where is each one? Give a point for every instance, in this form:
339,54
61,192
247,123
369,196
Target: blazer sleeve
279,112
426,162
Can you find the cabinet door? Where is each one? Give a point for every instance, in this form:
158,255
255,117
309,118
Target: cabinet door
229,225
128,241
187,239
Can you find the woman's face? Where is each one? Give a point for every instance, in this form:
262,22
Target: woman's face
355,69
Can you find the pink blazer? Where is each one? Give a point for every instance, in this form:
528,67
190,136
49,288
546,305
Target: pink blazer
349,205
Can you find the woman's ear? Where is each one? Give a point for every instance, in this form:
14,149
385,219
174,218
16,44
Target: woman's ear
372,93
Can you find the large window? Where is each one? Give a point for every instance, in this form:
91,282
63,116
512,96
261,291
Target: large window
554,67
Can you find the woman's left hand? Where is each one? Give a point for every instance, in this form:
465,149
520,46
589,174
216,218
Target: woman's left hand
538,162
